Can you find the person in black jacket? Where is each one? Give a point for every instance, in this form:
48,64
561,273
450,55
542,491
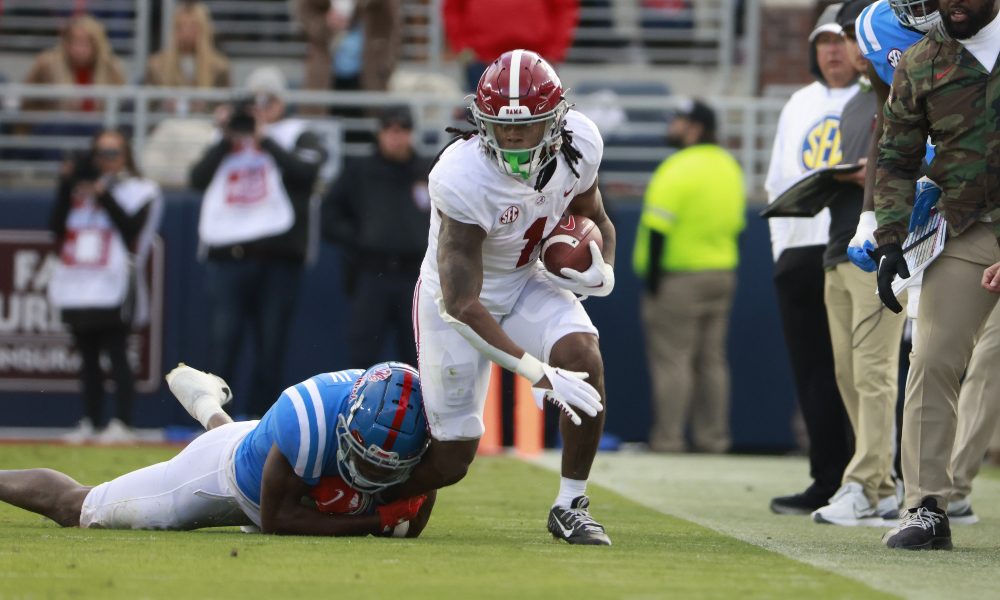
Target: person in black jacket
105,215
257,182
379,210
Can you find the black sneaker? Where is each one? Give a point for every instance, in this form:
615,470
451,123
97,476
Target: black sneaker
922,528
575,525
799,504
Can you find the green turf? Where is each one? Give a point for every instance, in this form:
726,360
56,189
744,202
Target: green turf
487,539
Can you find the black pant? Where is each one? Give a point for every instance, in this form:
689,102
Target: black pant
90,342
798,280
382,303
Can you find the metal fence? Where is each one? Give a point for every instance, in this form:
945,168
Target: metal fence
32,143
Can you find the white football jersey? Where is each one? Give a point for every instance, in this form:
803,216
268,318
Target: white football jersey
468,187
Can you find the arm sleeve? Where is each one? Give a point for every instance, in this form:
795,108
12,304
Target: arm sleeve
298,436
128,225
774,183
204,170
901,152
57,220
300,166
662,200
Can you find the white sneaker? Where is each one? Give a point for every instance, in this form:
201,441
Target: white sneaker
960,512
81,434
189,385
116,433
888,510
849,507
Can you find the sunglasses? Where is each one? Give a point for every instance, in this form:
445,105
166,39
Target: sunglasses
108,153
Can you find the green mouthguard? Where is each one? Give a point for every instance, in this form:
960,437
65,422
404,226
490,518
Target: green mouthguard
515,160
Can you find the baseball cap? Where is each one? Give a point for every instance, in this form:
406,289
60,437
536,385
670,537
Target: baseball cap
395,115
827,22
696,111
267,80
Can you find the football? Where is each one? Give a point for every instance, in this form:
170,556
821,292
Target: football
568,246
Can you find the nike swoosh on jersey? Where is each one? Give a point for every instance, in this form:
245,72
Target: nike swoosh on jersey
567,192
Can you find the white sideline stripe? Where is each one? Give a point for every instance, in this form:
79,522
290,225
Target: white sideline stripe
515,78
300,411
690,487
317,402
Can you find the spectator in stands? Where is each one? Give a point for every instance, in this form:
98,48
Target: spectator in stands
686,254
105,217
190,58
377,24
83,57
808,138
480,30
379,210
257,179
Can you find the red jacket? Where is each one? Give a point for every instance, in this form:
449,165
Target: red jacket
492,27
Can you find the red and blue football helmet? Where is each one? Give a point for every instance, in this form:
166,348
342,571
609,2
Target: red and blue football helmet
921,15
382,428
520,88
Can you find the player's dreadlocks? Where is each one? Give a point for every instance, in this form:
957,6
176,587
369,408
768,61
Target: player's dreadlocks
570,152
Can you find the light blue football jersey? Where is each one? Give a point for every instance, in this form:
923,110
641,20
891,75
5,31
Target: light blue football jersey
303,424
883,39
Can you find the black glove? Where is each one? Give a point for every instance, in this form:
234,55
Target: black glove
890,261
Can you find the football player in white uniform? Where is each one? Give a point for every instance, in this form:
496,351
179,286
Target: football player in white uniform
484,296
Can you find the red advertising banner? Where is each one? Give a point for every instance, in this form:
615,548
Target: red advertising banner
36,350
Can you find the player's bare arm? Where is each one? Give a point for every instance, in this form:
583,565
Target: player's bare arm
590,204
282,510
460,263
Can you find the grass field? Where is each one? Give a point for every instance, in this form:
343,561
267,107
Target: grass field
681,528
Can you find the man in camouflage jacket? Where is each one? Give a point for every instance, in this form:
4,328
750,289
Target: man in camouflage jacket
942,89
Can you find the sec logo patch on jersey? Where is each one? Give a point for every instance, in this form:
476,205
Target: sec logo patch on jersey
821,146
509,215
893,56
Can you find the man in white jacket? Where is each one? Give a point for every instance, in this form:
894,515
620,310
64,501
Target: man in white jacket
808,137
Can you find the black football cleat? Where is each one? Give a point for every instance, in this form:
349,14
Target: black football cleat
923,528
576,526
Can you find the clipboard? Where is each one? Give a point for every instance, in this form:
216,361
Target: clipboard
811,193
920,248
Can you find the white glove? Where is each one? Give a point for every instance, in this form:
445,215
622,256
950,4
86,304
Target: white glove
569,391
866,230
598,280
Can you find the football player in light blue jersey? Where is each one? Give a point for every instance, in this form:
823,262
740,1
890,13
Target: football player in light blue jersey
339,438
885,30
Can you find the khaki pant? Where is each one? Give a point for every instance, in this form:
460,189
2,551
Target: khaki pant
686,324
978,408
865,337
953,309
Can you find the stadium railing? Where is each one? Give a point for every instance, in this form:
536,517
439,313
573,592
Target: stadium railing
30,26
32,143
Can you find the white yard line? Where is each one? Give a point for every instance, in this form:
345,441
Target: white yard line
730,494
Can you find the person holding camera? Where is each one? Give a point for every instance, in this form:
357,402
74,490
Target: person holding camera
257,182
104,219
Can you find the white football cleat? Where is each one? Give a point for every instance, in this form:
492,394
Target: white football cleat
116,433
81,434
189,386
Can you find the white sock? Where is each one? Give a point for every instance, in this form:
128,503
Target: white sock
569,490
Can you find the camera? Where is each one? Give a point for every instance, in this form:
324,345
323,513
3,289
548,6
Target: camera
242,120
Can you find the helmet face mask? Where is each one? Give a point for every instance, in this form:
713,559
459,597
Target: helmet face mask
520,89
921,15
382,431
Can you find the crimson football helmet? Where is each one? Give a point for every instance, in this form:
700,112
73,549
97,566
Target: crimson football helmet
921,15
520,88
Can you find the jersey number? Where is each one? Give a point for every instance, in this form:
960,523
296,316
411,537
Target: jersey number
532,236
